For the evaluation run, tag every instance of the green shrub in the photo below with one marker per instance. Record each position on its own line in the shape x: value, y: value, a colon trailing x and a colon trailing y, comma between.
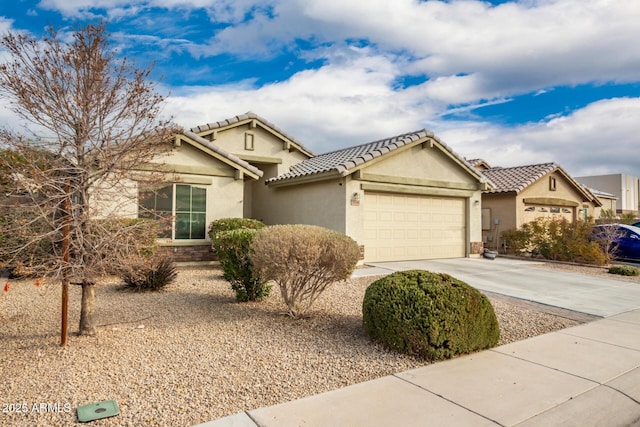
x: 149, y: 274
x: 303, y: 260
x: 557, y: 239
x: 624, y: 270
x: 227, y: 224
x: 232, y: 248
x: 429, y: 315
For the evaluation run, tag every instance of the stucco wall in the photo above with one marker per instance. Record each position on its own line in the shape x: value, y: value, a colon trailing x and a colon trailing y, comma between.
x: 608, y: 205
x: 564, y: 189
x: 421, y: 161
x: 265, y: 144
x: 501, y: 209
x: 225, y: 193
x: 319, y: 203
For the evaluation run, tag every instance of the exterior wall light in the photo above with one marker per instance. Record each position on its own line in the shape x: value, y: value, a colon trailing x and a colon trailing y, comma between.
x: 355, y: 199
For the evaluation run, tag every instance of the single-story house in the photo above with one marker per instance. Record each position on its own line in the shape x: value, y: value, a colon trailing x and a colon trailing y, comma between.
x: 522, y: 194
x: 404, y: 197
x: 608, y: 201
x: 626, y: 189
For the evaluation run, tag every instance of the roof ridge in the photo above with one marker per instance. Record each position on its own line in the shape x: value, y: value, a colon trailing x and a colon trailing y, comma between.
x: 554, y: 164
x: 403, y: 135
x: 346, y: 159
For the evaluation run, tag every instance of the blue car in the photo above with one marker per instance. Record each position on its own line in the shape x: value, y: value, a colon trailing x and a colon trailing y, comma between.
x: 623, y: 241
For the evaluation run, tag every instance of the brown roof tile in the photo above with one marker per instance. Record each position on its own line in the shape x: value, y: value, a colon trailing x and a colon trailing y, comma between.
x: 342, y: 161
x: 517, y: 178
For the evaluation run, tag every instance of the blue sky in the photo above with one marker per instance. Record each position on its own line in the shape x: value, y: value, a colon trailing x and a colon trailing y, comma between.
x: 512, y: 82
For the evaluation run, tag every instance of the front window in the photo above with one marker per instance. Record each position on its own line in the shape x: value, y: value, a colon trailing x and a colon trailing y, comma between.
x: 191, y: 205
x: 180, y: 208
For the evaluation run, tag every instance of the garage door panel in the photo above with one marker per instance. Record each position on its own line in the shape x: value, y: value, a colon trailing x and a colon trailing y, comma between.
x: 405, y: 227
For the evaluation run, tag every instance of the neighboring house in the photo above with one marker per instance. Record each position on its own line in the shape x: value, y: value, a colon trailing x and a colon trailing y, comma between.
x: 608, y: 201
x: 522, y: 194
x: 400, y: 198
x: 626, y: 188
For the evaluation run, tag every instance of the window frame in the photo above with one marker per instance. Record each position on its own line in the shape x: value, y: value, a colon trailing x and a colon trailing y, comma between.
x: 177, y: 211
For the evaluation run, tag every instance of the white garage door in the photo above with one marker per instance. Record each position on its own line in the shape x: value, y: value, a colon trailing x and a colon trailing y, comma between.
x: 408, y: 227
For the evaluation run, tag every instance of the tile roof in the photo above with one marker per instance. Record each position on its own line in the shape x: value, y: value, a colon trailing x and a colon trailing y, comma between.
x: 343, y: 160
x: 479, y: 164
x: 517, y: 178
x: 248, y: 116
x: 213, y: 147
x: 475, y: 162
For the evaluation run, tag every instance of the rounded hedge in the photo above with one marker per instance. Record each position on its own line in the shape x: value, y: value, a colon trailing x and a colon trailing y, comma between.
x: 228, y: 224
x: 430, y: 315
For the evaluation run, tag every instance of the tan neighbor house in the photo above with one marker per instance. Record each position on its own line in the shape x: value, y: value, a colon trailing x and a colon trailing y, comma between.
x: 405, y: 197
x: 522, y: 194
x: 607, y: 200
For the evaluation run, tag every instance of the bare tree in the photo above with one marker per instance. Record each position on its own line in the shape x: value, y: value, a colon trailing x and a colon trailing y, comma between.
x: 92, y: 118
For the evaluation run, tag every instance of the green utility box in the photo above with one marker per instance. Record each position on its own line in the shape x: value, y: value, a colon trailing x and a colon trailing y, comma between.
x: 96, y: 411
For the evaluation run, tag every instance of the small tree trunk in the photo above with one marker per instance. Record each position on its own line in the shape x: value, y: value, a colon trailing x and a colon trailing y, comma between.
x: 87, y: 309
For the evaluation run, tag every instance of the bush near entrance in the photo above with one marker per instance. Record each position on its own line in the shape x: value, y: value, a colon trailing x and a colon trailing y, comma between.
x: 231, y: 239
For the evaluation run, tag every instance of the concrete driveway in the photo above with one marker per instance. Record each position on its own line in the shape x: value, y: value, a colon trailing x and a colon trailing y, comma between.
x: 526, y: 280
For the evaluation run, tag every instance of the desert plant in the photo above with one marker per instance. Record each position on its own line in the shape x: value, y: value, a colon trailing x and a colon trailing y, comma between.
x: 607, y: 216
x: 429, y: 315
x: 624, y: 270
x: 226, y: 224
x: 149, y: 274
x: 232, y: 248
x: 116, y: 241
x: 303, y: 260
x: 627, y: 218
x: 29, y: 260
x: 559, y: 240
x: 88, y: 116
x: 515, y: 241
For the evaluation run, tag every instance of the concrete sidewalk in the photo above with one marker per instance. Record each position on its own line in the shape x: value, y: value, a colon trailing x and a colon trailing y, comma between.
x: 587, y: 375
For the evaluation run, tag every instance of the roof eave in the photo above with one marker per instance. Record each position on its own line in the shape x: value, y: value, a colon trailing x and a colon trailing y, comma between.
x: 202, y: 144
x: 305, y: 179
x: 254, y: 120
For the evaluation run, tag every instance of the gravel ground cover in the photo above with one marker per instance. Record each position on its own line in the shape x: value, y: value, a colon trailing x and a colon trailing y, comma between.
x: 191, y: 354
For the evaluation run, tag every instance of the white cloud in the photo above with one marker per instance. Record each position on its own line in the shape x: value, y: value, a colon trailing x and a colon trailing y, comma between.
x: 344, y: 103
x: 471, y: 49
x: 597, y: 139
x: 471, y: 52
x: 494, y: 51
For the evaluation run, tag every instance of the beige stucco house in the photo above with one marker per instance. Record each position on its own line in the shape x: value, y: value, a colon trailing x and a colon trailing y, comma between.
x: 522, y: 194
x: 401, y: 198
x: 404, y: 197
